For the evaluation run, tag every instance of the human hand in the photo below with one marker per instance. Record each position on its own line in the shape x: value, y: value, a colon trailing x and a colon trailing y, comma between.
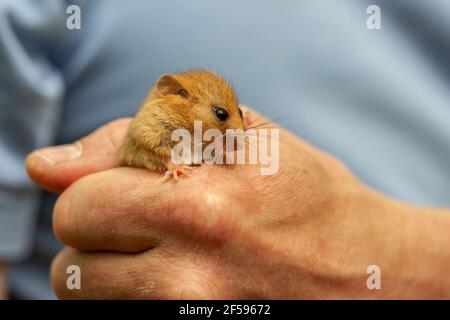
x: 309, y: 231
x: 3, y: 282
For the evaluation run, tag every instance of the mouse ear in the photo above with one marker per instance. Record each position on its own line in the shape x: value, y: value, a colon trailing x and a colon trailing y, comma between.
x: 168, y: 84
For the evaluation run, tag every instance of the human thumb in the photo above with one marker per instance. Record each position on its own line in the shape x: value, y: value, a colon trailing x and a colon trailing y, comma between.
x: 55, y: 168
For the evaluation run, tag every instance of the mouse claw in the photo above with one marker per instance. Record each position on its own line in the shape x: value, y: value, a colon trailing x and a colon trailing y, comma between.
x: 177, y: 172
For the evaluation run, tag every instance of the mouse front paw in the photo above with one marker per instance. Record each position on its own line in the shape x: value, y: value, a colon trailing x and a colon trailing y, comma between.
x: 177, y: 172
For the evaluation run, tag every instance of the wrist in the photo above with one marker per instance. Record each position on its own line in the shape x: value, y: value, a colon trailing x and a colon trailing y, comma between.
x: 409, y: 244
x: 425, y: 253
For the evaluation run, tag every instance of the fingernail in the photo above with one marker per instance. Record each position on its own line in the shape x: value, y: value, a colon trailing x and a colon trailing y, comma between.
x: 59, y: 154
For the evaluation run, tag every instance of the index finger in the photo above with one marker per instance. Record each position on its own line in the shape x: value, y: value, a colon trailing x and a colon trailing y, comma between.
x: 115, y: 210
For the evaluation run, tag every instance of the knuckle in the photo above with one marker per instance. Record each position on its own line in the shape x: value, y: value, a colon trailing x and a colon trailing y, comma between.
x: 116, y: 130
x: 124, y: 121
x: 110, y: 135
x: 208, y: 215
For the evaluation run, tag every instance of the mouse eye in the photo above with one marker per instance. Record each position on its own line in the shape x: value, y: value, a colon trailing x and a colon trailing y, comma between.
x: 221, y: 113
x: 240, y: 113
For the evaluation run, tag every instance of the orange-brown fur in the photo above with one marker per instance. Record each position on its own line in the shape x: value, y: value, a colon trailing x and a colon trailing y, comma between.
x: 176, y: 101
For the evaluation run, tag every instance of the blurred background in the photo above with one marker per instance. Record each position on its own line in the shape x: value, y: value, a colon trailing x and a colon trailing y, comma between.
x: 377, y: 99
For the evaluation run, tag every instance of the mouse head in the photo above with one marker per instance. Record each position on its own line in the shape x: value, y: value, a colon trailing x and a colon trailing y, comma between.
x: 200, y: 95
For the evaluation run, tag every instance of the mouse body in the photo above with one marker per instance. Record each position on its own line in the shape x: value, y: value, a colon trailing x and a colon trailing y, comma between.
x: 175, y: 102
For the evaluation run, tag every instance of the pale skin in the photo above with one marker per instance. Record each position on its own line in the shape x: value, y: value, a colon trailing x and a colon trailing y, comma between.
x: 309, y: 231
